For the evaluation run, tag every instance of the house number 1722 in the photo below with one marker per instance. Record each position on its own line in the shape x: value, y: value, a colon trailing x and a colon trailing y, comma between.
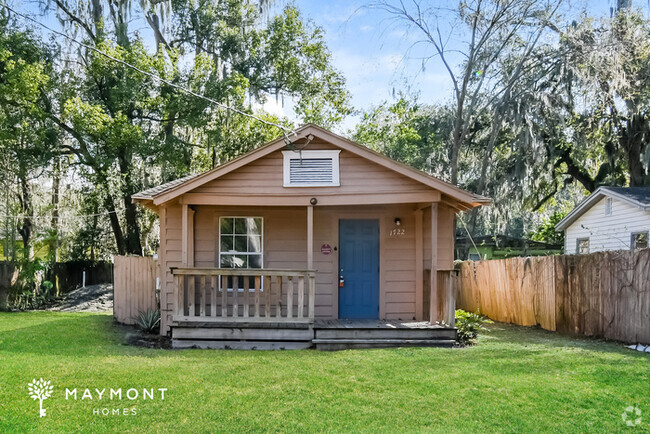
x: 397, y: 232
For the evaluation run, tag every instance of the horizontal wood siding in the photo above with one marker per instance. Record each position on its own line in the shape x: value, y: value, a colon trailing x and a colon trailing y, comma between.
x: 170, y: 256
x: 607, y: 232
x: 357, y: 176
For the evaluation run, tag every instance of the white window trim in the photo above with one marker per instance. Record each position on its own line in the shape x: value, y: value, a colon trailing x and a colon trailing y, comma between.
x: 608, y: 205
x: 247, y: 254
x: 295, y: 155
x: 578, y: 240
x: 633, y: 236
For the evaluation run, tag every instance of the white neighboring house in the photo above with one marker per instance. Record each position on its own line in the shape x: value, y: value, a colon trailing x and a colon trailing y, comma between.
x: 611, y: 218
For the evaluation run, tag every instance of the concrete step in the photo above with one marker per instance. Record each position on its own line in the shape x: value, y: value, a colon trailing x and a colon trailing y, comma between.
x: 344, y: 344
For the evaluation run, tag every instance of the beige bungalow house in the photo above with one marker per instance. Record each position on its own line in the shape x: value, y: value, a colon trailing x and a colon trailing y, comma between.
x: 320, y: 242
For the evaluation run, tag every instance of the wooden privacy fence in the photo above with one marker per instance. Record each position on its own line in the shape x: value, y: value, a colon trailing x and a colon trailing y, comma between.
x: 134, y: 287
x: 604, y: 294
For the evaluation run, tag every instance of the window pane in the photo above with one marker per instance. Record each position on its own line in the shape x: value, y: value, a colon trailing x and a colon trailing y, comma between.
x: 227, y: 226
x: 255, y: 261
x: 226, y: 261
x: 254, y: 244
x: 641, y: 241
x: 240, y: 226
x: 254, y: 226
x: 240, y: 243
x: 227, y: 243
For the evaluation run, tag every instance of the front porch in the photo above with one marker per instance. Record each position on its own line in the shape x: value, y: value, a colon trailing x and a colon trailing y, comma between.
x: 274, y: 309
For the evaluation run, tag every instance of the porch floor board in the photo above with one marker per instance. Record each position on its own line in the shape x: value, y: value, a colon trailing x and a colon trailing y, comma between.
x: 375, y: 324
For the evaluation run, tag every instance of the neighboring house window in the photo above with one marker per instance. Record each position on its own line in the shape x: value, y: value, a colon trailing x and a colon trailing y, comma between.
x: 639, y: 240
x: 608, y: 206
x: 240, y: 242
x: 311, y: 168
x: 582, y: 246
x: 474, y: 257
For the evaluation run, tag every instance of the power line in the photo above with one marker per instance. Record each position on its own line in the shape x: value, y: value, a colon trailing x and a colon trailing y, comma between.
x: 285, y: 131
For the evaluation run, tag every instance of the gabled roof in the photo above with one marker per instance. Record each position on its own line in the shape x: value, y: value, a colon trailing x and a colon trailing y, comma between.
x: 171, y: 190
x: 635, y: 196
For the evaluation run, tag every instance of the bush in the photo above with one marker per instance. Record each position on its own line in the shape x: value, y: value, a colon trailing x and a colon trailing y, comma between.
x: 148, y: 320
x: 468, y: 325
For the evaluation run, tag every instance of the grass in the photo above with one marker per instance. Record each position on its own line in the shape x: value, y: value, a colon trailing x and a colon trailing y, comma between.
x: 516, y: 380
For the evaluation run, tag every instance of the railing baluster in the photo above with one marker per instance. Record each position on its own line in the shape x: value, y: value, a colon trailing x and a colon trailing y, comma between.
x: 180, y: 301
x: 258, y: 286
x: 278, y: 308
x: 235, y: 296
x: 213, y: 298
x: 246, y: 291
x: 224, y: 296
x: 312, y: 296
x: 202, y: 308
x: 191, y: 296
x: 290, y: 297
x: 301, y: 297
x: 267, y: 297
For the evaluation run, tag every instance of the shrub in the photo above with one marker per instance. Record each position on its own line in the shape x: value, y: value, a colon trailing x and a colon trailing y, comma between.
x: 468, y: 325
x: 148, y: 320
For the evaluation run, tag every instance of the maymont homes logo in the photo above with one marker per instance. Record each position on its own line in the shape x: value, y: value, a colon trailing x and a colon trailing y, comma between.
x: 41, y: 390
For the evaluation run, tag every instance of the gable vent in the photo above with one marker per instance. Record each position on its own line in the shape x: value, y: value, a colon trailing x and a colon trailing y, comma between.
x: 311, y: 168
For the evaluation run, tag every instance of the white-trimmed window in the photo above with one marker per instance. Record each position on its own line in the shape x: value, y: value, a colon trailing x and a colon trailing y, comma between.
x: 582, y: 246
x: 639, y: 240
x: 311, y: 168
x: 240, y: 242
x: 240, y: 245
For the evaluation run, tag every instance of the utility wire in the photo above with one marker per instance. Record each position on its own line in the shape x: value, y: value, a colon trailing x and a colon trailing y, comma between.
x: 285, y: 131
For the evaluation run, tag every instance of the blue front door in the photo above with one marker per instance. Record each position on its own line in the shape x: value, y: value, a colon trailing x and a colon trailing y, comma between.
x: 359, y: 268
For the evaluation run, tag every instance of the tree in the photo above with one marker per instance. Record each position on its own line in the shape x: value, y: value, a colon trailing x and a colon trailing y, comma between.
x: 495, y: 29
x: 123, y: 122
x: 27, y: 137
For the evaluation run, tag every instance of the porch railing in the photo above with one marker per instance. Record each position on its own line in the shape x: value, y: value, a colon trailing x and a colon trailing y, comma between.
x: 244, y: 295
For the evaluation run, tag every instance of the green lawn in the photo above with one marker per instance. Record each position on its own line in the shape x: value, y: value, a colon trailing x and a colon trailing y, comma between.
x: 516, y: 379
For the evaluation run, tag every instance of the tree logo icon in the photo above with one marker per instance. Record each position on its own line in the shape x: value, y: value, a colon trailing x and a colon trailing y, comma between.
x: 40, y: 390
x: 632, y: 416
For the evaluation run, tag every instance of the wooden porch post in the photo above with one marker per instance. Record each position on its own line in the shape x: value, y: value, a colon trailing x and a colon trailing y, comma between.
x: 419, y: 266
x: 433, y: 307
x: 187, y: 236
x: 310, y: 237
x: 184, y: 235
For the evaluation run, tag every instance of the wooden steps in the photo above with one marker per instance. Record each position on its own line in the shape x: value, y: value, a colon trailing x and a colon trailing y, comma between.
x: 328, y: 335
x: 347, y: 344
x: 341, y: 335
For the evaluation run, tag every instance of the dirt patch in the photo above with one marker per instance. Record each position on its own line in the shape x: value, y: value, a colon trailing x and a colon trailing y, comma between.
x: 139, y: 339
x: 93, y: 298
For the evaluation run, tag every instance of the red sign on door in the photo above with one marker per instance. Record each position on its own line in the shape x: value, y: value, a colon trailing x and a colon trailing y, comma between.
x: 326, y: 249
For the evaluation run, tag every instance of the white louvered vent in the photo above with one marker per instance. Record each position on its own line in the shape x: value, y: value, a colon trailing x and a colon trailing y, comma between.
x: 311, y: 168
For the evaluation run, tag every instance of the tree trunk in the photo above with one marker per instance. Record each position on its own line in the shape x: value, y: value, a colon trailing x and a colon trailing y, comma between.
x: 133, y: 245
x: 633, y: 142
x: 27, y: 212
x: 54, y: 222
